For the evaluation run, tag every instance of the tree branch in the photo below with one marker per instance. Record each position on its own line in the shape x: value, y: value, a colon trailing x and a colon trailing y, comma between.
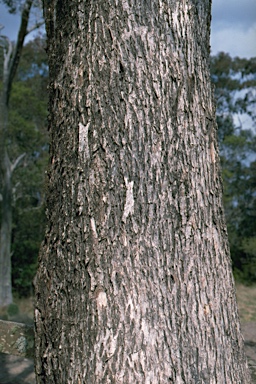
x: 17, y: 161
x: 7, y: 45
x: 35, y: 26
x: 18, y: 47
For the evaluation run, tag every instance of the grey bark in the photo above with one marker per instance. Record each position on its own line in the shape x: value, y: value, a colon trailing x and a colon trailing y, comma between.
x: 10, y: 64
x: 134, y: 282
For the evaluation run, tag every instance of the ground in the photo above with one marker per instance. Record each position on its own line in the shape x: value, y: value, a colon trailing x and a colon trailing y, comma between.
x: 249, y: 332
x: 16, y: 370
x: 246, y: 297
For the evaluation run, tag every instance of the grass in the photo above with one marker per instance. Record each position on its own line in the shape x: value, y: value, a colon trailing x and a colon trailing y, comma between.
x: 24, y: 314
x: 246, y: 298
x: 26, y: 305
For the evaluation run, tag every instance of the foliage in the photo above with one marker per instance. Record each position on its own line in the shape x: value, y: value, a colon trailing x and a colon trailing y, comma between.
x: 27, y: 134
x: 12, y: 309
x: 235, y: 81
x: 15, y: 6
x: 11, y: 4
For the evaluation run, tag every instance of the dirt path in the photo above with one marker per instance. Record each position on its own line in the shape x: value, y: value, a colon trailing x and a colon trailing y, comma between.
x: 16, y: 370
x: 249, y: 332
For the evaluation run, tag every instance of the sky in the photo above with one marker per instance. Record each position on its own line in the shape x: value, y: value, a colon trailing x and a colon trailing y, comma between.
x: 233, y: 27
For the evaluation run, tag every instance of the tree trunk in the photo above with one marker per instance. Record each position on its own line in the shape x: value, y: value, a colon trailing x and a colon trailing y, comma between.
x: 134, y: 282
x: 6, y: 218
x: 6, y: 193
x: 10, y: 64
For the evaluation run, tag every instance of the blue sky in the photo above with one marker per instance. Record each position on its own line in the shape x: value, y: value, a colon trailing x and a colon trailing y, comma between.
x: 233, y: 26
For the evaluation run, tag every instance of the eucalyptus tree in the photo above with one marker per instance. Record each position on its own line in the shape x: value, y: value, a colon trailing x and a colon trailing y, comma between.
x: 27, y: 133
x: 134, y: 282
x: 235, y: 84
x: 10, y: 57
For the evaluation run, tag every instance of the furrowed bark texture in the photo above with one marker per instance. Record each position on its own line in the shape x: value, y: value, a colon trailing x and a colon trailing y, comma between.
x: 134, y: 282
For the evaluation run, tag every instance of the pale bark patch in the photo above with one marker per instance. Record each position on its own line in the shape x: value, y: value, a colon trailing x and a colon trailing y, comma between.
x: 93, y: 226
x: 83, y: 140
x: 101, y: 300
x: 129, y: 202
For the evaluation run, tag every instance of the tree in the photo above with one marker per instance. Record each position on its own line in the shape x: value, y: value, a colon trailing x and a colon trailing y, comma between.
x: 235, y: 81
x: 11, y: 59
x: 134, y: 283
x: 28, y: 134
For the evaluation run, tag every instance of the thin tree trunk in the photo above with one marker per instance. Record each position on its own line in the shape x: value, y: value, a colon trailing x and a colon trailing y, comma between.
x: 6, y: 220
x: 11, y: 61
x: 134, y: 282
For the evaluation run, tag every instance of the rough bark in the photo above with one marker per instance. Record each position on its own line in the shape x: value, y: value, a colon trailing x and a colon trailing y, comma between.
x: 134, y: 282
x: 11, y: 60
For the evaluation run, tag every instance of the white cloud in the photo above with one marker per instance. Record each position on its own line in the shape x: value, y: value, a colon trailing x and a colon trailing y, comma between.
x: 239, y: 14
x: 235, y: 41
x: 234, y: 27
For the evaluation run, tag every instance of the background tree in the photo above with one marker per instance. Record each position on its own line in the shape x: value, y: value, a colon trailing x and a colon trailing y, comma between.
x: 134, y: 282
x: 235, y: 81
x: 27, y: 133
x: 11, y: 57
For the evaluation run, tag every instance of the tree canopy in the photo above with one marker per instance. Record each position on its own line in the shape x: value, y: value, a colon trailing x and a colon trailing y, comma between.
x: 235, y: 81
x: 27, y: 133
